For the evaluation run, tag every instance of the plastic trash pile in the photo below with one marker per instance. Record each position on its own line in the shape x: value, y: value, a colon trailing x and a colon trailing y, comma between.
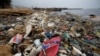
x: 49, y: 34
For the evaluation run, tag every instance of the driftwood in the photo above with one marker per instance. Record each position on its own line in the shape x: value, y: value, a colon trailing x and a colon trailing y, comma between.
x: 16, y: 12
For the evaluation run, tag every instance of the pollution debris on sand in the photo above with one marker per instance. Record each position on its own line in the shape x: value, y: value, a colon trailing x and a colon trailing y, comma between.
x: 46, y: 33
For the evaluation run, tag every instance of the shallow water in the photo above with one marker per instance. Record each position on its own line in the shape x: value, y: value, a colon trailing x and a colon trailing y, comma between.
x: 84, y: 12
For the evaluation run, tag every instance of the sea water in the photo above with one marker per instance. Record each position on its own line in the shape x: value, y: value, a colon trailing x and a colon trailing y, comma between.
x: 84, y: 12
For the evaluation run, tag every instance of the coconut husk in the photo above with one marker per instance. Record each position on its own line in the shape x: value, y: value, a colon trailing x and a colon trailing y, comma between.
x: 20, y: 29
x: 5, y: 50
x: 11, y: 32
x: 97, y: 50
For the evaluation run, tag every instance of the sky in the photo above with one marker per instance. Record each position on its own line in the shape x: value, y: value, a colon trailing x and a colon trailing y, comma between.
x: 85, y: 4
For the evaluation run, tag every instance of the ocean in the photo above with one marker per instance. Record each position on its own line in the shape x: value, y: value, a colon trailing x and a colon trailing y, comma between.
x: 84, y: 12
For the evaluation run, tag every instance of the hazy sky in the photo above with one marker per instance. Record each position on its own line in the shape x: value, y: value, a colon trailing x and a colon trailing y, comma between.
x: 58, y: 3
